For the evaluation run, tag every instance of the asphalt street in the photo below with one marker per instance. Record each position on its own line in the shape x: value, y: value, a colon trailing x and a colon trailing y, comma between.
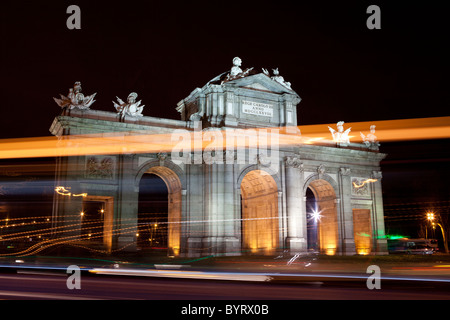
x: 52, y: 285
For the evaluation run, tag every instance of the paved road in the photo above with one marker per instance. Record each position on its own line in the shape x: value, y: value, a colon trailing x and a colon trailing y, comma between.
x: 53, y: 286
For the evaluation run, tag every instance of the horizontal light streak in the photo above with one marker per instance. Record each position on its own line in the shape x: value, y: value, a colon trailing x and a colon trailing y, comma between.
x: 230, y: 276
x: 390, y: 130
x: 74, y: 234
x: 64, y: 192
x: 141, y: 142
x: 363, y: 183
x: 65, y: 240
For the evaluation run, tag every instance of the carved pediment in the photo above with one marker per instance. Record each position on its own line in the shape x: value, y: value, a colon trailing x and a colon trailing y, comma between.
x: 261, y: 82
x: 257, y: 86
x: 242, y: 96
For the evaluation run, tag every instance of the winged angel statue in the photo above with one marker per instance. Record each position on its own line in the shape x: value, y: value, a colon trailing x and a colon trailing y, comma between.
x: 370, y: 140
x: 75, y: 99
x: 340, y: 136
x: 131, y: 107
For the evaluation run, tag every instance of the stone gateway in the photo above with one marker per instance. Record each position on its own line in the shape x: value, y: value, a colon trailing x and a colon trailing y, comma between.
x: 257, y: 200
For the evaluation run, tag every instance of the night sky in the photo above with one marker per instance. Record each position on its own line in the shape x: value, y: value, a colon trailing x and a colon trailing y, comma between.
x: 164, y: 49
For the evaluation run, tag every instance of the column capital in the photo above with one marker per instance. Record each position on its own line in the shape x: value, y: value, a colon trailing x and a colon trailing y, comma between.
x: 344, y: 171
x: 377, y: 175
x: 321, y: 171
x: 293, y: 162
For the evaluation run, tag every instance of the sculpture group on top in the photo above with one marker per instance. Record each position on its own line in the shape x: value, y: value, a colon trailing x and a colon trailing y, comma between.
x: 370, y: 140
x: 236, y: 72
x: 342, y: 137
x: 76, y: 99
x: 130, y: 108
x: 276, y: 77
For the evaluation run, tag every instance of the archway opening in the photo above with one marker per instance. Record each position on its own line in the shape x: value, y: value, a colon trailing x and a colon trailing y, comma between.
x: 322, y: 223
x: 159, y: 212
x: 312, y: 221
x: 259, y: 210
x: 152, y: 213
x: 97, y: 221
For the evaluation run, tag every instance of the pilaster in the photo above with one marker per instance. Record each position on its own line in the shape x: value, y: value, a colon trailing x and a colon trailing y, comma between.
x: 296, y: 216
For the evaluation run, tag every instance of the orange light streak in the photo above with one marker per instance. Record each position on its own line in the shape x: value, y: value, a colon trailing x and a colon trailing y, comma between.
x: 117, y: 143
x: 363, y: 183
x: 64, y: 192
x: 67, y: 239
x: 390, y: 130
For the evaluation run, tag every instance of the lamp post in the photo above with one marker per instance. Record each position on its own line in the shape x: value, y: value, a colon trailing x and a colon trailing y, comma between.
x: 315, y: 216
x: 431, y: 218
x: 155, y: 225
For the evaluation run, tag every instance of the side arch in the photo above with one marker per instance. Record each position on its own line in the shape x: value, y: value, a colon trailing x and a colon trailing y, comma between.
x: 146, y: 166
x: 326, y: 194
x: 172, y: 175
x: 325, y: 177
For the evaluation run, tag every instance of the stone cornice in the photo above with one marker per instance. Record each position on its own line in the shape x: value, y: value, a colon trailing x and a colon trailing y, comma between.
x: 95, y: 121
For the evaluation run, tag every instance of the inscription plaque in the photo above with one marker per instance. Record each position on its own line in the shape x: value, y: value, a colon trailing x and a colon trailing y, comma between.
x: 257, y: 108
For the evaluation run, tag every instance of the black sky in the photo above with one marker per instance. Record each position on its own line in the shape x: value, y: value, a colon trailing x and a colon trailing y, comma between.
x: 165, y: 49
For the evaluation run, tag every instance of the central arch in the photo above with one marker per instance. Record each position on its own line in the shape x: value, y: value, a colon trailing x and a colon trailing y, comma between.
x: 173, y: 184
x: 259, y: 209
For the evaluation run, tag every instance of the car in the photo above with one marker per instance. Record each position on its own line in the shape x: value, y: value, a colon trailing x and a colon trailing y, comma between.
x: 419, y: 249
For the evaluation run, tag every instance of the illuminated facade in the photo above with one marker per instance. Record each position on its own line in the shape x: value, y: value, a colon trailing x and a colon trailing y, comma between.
x: 239, y: 186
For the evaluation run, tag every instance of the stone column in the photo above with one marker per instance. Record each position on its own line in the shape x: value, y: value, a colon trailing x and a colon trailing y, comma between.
x: 379, y: 238
x: 194, y: 229
x: 66, y: 207
x: 127, y: 205
x: 232, y: 244
x: 296, y: 216
x: 213, y: 241
x: 282, y: 222
x: 346, y: 234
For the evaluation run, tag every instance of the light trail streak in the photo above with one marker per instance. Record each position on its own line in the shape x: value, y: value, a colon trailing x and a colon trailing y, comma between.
x: 230, y: 276
x: 142, y: 142
x: 51, y: 231
x: 255, y: 276
x: 78, y: 232
x: 65, y: 192
x: 363, y: 183
x: 42, y: 245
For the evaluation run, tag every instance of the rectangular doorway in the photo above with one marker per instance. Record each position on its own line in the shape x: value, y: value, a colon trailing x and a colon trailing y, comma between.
x: 97, y: 220
x: 362, y: 231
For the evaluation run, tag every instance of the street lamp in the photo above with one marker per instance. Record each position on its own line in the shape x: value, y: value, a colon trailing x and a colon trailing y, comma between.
x: 316, y: 215
x: 430, y: 217
x: 314, y: 218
